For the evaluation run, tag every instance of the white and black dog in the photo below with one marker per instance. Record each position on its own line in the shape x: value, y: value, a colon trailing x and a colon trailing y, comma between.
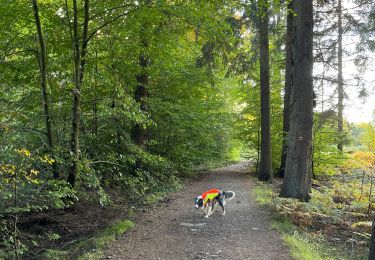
x: 208, y: 200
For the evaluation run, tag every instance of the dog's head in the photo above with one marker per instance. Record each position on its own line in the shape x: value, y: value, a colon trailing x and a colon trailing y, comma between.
x: 198, y: 202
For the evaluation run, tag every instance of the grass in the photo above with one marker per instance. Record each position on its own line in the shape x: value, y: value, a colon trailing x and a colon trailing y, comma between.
x: 155, y: 197
x: 93, y: 246
x: 300, y: 246
x: 303, y: 245
x: 263, y: 194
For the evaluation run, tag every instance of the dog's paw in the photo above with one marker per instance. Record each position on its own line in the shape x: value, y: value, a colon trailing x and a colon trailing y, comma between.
x: 223, y: 213
x: 206, y: 216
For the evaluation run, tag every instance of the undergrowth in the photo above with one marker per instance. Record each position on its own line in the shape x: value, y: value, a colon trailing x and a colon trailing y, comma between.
x: 313, y: 230
x: 93, y: 246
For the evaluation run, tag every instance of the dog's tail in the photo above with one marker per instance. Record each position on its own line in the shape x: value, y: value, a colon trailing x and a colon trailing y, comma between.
x: 228, y: 195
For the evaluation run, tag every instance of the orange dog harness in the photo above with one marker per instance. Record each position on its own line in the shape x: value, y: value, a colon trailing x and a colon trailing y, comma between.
x: 210, y: 195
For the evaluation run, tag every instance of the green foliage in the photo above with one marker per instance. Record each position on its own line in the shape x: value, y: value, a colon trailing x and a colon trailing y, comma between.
x: 27, y: 186
x: 189, y: 116
x: 247, y: 96
x: 326, y: 156
x: 201, y: 108
x: 365, y: 135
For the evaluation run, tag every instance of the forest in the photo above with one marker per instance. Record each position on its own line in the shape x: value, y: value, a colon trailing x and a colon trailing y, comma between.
x: 109, y: 106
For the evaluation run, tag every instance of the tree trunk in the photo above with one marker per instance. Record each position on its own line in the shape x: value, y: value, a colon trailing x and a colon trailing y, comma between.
x: 79, y: 63
x: 42, y: 59
x: 287, y: 87
x: 340, y: 84
x: 139, y: 132
x: 372, y: 242
x: 265, y: 169
x: 297, y: 179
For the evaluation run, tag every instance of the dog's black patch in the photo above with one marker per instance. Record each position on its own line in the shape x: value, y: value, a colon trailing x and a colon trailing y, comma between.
x: 199, y: 202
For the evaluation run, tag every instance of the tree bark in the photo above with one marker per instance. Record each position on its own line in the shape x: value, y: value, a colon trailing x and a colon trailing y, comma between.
x: 372, y: 242
x: 287, y: 87
x: 42, y: 59
x: 297, y: 179
x: 265, y: 167
x: 139, y: 131
x: 340, y: 84
x: 79, y: 63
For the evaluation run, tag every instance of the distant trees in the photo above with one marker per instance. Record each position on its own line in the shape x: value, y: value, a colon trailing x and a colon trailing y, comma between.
x: 297, y: 179
x: 94, y: 96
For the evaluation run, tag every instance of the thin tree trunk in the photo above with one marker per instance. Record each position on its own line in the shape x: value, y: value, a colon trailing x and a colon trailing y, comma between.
x: 372, y: 242
x: 95, y: 106
x: 340, y: 84
x: 287, y: 87
x: 15, y: 217
x: 42, y: 59
x: 79, y: 63
x: 84, y: 40
x: 258, y: 149
x: 265, y: 169
x: 297, y: 179
x: 369, y: 209
x: 139, y: 132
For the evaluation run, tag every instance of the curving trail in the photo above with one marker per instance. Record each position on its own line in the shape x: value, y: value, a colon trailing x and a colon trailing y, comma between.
x: 174, y: 230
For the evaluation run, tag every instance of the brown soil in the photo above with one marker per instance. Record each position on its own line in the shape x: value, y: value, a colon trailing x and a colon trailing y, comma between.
x: 174, y: 230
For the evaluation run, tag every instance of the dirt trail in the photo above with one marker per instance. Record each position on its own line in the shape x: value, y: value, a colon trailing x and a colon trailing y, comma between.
x: 174, y: 230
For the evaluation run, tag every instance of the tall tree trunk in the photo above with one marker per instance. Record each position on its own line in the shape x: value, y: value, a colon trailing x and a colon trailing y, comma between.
x: 340, y: 84
x: 265, y: 169
x: 139, y: 132
x: 42, y: 59
x: 297, y: 179
x: 287, y: 87
x: 79, y: 63
x: 372, y: 242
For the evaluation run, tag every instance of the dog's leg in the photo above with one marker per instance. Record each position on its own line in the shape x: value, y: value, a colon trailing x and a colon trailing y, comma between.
x: 204, y: 210
x: 213, y: 206
x: 221, y: 203
x: 207, y: 209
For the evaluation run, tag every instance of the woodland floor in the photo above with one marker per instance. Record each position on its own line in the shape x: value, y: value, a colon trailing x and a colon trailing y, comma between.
x: 174, y: 230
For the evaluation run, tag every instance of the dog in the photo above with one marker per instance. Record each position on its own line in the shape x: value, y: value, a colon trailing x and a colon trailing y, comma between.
x: 208, y: 200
